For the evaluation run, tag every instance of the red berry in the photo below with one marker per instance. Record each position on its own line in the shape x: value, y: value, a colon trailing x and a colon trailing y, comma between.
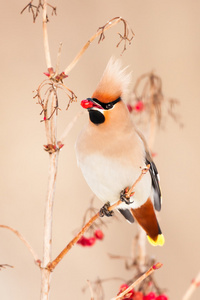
x: 150, y: 296
x: 139, y: 106
x: 130, y: 107
x: 82, y: 241
x: 123, y: 287
x: 99, y: 234
x: 138, y: 296
x: 162, y: 297
x: 91, y: 241
x: 87, y: 104
x: 128, y: 295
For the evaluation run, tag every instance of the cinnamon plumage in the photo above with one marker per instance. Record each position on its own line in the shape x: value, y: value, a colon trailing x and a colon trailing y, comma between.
x: 111, y: 153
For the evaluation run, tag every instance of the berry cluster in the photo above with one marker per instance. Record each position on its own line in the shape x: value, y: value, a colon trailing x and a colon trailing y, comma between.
x: 84, y: 241
x: 138, y: 107
x: 138, y: 295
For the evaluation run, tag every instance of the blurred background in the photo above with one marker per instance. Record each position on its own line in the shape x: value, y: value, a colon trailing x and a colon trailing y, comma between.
x: 167, y: 42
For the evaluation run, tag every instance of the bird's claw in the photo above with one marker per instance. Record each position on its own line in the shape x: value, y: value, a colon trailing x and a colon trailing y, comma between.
x: 105, y: 212
x: 123, y: 196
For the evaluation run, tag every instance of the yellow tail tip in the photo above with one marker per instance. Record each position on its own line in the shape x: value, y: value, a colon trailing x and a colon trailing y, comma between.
x: 158, y: 242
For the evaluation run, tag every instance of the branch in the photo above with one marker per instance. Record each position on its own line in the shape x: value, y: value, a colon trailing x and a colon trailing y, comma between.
x: 3, y: 266
x: 91, y: 290
x: 138, y: 281
x: 45, y: 37
x: 141, y: 248
x: 26, y: 243
x: 47, y: 242
x: 51, y: 266
x: 100, y: 33
x: 194, y: 284
x: 143, y: 172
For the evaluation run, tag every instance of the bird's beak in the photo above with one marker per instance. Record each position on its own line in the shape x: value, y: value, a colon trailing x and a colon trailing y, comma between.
x: 89, y: 104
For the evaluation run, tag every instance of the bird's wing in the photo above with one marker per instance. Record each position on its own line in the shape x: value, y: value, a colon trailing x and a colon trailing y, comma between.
x: 154, y: 175
x: 155, y: 184
x: 127, y: 214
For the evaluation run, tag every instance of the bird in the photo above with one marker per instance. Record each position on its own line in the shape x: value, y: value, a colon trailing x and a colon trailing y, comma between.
x: 111, y: 152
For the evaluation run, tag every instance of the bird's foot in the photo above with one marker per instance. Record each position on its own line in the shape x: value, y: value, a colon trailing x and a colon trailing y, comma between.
x: 104, y: 210
x: 124, y: 197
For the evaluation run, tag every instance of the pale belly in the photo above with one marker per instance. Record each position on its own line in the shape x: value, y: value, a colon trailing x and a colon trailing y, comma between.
x: 107, y: 178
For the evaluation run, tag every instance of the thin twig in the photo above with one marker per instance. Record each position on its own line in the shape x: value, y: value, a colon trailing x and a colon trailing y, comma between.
x: 53, y: 166
x: 194, y: 284
x: 58, y: 59
x: 47, y: 247
x: 3, y: 266
x: 51, y: 266
x: 78, y: 56
x: 138, y: 281
x: 26, y: 243
x: 153, y: 119
x: 53, y: 119
x: 45, y: 37
x: 141, y: 248
x: 100, y: 33
x: 91, y: 290
x: 143, y: 172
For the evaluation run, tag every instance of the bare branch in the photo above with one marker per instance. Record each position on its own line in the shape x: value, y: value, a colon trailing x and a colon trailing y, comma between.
x: 4, y: 266
x: 47, y: 242
x: 91, y: 290
x: 35, y: 9
x: 143, y: 172
x: 51, y: 266
x: 194, y: 284
x: 139, y: 280
x: 100, y: 33
x: 53, y: 84
x: 45, y: 36
x: 26, y: 243
x: 58, y: 59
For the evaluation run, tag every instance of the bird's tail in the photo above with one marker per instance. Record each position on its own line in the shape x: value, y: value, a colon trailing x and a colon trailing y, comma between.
x: 146, y: 217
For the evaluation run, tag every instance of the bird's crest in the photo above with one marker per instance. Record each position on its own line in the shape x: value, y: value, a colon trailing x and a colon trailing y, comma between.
x: 114, y: 82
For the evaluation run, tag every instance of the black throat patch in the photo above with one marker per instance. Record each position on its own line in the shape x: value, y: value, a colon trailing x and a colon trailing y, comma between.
x: 96, y: 116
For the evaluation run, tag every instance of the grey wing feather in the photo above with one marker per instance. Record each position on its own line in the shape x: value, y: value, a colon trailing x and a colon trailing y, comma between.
x: 155, y: 184
x: 154, y: 174
x: 127, y: 214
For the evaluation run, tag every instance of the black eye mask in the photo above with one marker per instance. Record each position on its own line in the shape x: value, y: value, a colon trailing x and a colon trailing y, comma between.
x: 105, y: 106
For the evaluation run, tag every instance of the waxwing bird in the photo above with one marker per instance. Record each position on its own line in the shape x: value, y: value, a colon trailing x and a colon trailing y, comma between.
x: 111, y: 153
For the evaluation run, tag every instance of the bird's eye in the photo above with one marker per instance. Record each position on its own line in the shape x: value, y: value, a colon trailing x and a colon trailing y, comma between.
x: 109, y: 106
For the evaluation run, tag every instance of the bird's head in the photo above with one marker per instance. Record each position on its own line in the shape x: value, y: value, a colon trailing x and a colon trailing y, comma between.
x: 109, y: 92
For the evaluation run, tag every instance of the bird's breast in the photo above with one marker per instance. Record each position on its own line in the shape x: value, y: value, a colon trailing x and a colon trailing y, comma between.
x: 112, y: 160
x: 107, y: 177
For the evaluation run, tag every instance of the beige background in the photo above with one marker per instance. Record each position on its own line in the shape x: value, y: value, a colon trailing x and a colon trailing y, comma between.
x: 167, y: 41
